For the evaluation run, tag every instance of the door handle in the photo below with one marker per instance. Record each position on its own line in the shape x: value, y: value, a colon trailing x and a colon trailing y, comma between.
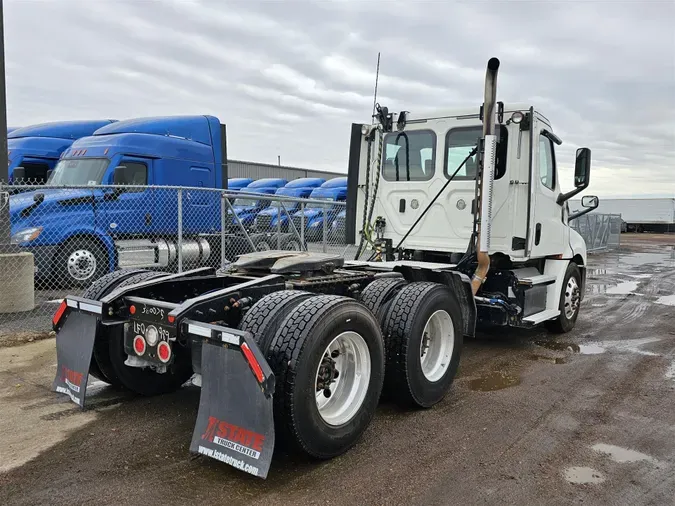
x: 537, y: 234
x: 148, y: 218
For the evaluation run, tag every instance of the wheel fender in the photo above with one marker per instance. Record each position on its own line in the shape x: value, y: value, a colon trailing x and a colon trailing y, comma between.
x: 97, y: 234
x: 555, y: 268
x: 576, y: 247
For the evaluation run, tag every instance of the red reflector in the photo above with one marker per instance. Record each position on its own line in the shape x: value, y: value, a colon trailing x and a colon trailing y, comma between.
x: 250, y: 358
x: 164, y: 351
x: 139, y: 345
x: 132, y: 309
x: 171, y: 318
x: 59, y: 312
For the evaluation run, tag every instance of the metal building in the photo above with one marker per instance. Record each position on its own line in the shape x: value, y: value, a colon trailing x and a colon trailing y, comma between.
x: 638, y: 214
x: 254, y: 170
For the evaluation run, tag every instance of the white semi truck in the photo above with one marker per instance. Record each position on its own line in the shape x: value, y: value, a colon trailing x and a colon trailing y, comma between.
x: 460, y: 223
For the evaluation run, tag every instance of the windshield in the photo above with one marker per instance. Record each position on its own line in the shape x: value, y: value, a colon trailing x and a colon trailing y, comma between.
x: 244, y: 202
x: 81, y: 172
x: 276, y: 204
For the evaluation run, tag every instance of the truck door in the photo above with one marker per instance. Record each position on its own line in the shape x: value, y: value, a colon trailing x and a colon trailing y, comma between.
x: 548, y: 232
x: 130, y: 213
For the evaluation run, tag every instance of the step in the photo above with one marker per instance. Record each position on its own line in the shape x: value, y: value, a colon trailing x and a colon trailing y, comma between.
x: 547, y: 314
x: 541, y: 279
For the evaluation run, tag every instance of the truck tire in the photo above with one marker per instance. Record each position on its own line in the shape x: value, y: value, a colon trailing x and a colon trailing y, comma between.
x: 290, y: 242
x: 377, y: 296
x: 263, y: 318
x: 316, y: 411
x: 96, y: 291
x: 423, y: 340
x: 110, y: 355
x: 80, y: 261
x: 570, y: 302
x: 262, y: 242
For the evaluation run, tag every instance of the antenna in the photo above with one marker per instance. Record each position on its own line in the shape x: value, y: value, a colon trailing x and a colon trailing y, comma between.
x: 377, y: 77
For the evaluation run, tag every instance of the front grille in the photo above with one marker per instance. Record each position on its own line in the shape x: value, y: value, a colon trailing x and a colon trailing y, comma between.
x: 264, y: 222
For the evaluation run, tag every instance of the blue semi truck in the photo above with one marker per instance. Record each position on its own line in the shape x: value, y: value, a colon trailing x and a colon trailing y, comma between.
x: 333, y: 190
x: 33, y: 151
x: 252, y: 201
x: 271, y: 220
x: 79, y: 234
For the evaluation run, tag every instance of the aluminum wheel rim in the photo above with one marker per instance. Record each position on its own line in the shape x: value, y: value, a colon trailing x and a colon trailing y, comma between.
x: 81, y: 264
x: 351, y: 358
x: 437, y: 345
x: 292, y: 246
x: 572, y: 297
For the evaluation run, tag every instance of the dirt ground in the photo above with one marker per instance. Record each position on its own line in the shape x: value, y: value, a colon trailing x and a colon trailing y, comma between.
x: 532, y: 419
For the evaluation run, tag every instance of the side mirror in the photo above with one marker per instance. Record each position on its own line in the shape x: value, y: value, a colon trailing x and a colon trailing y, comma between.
x: 590, y: 202
x: 19, y: 175
x: 582, y: 168
x: 582, y: 174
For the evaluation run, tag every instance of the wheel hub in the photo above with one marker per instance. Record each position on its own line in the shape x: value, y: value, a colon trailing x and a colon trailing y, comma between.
x: 81, y: 264
x: 572, y: 298
x: 437, y: 345
x: 342, y: 378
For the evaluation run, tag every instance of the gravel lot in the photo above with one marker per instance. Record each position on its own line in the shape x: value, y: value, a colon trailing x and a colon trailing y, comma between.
x: 532, y: 419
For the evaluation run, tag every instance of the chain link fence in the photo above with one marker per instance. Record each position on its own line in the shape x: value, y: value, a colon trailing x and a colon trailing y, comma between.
x: 79, y: 233
x: 600, y: 231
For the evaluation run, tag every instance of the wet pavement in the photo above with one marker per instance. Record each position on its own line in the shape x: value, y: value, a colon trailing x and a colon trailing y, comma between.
x: 588, y: 417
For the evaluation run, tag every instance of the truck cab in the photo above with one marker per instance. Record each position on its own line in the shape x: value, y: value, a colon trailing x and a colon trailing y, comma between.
x: 34, y: 150
x: 238, y: 183
x: 251, y: 202
x: 333, y: 190
x: 80, y: 233
x: 269, y: 219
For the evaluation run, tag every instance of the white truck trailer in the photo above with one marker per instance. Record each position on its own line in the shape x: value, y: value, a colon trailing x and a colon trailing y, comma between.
x: 639, y: 214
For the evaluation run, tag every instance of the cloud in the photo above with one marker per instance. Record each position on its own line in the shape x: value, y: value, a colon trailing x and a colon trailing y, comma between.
x: 290, y: 77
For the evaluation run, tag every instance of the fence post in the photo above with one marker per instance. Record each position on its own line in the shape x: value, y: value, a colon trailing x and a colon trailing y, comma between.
x: 302, y: 222
x: 180, y: 230
x: 279, y: 225
x: 325, y: 226
x: 223, y: 220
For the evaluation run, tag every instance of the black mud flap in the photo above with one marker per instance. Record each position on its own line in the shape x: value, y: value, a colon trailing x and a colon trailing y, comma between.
x: 76, y: 322
x: 235, y: 424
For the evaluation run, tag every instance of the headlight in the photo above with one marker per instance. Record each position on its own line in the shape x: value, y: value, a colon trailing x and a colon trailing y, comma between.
x: 26, y: 235
x: 151, y: 335
x: 315, y: 224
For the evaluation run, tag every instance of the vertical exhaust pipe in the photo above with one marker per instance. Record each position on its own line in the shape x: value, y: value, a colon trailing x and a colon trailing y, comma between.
x: 485, y: 184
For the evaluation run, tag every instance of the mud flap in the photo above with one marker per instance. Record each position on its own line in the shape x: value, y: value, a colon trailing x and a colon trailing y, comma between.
x: 75, y: 335
x: 235, y: 424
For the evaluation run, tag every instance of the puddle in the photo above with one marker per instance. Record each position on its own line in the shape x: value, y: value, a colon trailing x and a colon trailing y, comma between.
x: 670, y: 372
x: 496, y: 380
x: 595, y: 348
x: 552, y: 360
x: 583, y: 475
x: 583, y: 349
x: 641, y: 276
x: 623, y: 288
x: 599, y: 272
x: 666, y: 300
x: 623, y: 455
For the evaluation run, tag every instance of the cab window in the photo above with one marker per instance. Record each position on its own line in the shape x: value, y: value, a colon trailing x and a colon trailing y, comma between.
x: 409, y: 156
x: 546, y: 162
x: 458, y: 144
x: 135, y: 174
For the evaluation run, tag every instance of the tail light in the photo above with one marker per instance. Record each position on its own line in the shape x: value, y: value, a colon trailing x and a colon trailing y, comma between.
x: 164, y: 352
x: 139, y: 345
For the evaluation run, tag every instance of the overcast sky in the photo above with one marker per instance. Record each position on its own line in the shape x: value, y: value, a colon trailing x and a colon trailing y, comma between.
x: 289, y: 77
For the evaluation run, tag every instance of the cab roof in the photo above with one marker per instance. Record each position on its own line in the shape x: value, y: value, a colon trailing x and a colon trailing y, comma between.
x: 193, y: 128
x: 268, y: 182
x: 336, y: 182
x: 306, y: 182
x: 60, y: 129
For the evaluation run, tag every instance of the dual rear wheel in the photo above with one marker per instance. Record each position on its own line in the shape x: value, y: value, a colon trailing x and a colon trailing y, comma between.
x: 334, y: 356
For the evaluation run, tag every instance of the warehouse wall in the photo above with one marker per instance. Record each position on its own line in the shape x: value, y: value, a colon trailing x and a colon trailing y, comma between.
x: 239, y: 168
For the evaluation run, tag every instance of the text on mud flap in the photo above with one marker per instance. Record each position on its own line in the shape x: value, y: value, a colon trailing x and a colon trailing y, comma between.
x: 235, y: 438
